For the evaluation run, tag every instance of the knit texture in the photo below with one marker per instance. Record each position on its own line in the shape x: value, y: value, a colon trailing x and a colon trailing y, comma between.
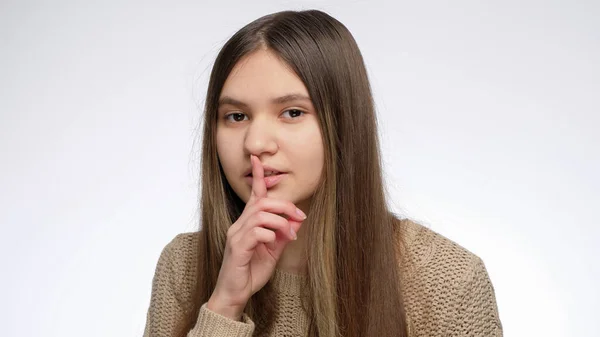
x: 447, y: 292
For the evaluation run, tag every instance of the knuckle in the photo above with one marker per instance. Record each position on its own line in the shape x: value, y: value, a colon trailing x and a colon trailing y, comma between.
x: 230, y: 232
x: 255, y: 231
x: 261, y: 217
x: 235, y: 250
x: 234, y: 242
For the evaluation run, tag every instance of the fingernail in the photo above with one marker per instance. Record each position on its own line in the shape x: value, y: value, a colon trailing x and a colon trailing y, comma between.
x: 293, y: 234
x: 300, y: 213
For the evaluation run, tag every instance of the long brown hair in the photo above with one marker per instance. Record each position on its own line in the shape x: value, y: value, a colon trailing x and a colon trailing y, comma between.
x: 354, y: 283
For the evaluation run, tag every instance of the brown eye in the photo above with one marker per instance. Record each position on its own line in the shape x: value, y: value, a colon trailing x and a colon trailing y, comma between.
x: 294, y: 113
x: 237, y: 117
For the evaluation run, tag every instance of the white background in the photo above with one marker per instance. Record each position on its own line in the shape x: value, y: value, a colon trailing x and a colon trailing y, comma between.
x: 489, y: 116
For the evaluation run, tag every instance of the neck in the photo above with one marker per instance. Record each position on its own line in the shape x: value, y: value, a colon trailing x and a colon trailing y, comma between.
x: 293, y: 259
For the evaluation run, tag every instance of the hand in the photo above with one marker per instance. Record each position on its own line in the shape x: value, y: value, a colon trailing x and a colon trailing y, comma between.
x: 254, y: 244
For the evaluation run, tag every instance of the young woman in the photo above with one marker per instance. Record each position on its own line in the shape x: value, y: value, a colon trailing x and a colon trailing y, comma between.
x: 296, y: 238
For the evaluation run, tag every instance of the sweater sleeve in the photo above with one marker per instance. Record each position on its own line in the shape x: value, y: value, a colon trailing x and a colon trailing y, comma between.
x: 477, y: 314
x: 167, y: 306
x: 212, y: 324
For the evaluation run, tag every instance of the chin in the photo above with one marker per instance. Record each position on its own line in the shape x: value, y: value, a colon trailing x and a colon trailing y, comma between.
x: 282, y: 194
x: 277, y: 193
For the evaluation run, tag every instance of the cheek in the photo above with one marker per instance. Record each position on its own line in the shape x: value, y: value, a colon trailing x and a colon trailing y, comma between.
x: 311, y: 154
x: 316, y: 145
x: 220, y: 148
x: 225, y: 151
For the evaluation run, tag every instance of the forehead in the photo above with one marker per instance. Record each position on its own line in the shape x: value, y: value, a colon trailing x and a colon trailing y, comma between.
x: 260, y: 76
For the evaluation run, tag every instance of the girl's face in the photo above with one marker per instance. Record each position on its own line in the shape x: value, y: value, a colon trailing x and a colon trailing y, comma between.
x: 264, y: 110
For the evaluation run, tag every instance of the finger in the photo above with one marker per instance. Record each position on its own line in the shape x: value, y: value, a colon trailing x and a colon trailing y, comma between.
x: 278, y: 206
x: 295, y: 225
x: 270, y: 221
x: 253, y: 196
x: 278, y: 246
x: 256, y: 236
x: 258, y: 178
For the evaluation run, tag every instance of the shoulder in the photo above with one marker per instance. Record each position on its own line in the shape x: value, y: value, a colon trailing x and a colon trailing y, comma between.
x: 178, y: 261
x: 430, y: 252
x: 180, y: 251
x: 182, y: 244
x: 432, y: 262
x: 445, y: 282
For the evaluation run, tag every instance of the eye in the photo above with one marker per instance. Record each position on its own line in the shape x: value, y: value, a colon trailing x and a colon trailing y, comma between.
x: 294, y: 113
x: 237, y: 117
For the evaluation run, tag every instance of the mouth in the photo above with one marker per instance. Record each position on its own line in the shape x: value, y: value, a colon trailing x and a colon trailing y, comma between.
x: 268, y: 173
x: 271, y: 179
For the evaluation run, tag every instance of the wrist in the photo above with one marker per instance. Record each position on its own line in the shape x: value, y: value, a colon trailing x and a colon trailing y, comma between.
x: 223, y: 309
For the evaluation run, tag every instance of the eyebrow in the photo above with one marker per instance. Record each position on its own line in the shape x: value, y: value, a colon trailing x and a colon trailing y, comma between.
x: 278, y: 100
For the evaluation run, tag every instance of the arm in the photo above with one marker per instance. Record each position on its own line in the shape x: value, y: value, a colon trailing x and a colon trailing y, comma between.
x: 477, y: 314
x: 166, y: 307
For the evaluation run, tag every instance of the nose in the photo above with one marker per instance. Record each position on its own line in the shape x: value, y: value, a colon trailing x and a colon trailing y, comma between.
x: 260, y: 137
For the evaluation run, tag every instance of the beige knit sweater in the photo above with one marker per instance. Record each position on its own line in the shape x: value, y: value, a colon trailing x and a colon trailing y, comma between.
x: 447, y: 293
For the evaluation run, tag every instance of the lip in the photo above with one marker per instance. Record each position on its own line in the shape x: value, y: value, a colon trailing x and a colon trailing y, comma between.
x: 269, y: 181
x: 265, y: 168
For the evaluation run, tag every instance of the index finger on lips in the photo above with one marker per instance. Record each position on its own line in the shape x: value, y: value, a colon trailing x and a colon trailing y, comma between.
x: 259, y: 188
x: 279, y: 207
